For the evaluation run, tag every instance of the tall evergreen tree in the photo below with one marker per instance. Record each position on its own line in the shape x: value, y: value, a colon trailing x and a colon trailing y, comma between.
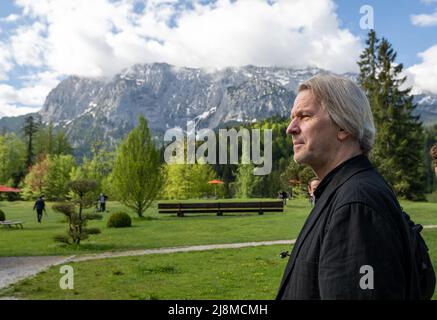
x: 137, y: 175
x: 30, y: 129
x: 398, y: 149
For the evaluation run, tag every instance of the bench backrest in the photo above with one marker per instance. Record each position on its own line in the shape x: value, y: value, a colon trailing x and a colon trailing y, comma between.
x: 222, y: 205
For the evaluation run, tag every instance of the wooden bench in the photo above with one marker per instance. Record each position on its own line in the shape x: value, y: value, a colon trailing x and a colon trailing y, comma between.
x: 220, y: 207
x: 10, y: 223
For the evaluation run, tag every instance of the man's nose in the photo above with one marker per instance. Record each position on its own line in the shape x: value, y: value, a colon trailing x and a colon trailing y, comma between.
x: 293, y: 127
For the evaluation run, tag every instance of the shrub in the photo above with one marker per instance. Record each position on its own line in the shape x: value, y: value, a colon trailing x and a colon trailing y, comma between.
x: 2, y: 215
x: 119, y: 220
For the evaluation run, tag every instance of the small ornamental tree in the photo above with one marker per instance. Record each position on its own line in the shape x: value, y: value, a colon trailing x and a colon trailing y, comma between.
x: 83, y: 197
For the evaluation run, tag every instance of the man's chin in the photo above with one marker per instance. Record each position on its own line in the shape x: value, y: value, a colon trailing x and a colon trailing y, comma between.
x: 301, y: 158
x: 297, y: 159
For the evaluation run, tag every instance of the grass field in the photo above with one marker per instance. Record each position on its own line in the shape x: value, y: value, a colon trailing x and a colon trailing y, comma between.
x: 153, y: 231
x: 247, y: 273
x: 157, y: 230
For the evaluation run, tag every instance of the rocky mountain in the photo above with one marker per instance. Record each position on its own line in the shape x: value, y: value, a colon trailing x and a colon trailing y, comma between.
x: 168, y: 96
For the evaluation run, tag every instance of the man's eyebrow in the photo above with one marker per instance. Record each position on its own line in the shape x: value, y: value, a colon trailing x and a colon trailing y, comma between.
x: 299, y: 112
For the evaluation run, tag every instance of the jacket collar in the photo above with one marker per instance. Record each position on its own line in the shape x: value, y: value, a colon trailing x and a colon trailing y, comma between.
x: 341, y: 173
x: 324, y: 193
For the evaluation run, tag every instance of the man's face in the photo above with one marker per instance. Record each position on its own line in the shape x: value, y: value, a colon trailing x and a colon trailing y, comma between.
x: 314, y: 133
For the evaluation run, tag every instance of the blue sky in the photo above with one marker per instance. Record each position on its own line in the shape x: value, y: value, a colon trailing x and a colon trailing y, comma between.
x: 392, y: 21
x: 44, y: 41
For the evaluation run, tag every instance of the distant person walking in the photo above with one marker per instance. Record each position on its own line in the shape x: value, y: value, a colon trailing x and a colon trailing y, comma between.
x: 102, y: 202
x: 40, y: 206
x: 283, y: 195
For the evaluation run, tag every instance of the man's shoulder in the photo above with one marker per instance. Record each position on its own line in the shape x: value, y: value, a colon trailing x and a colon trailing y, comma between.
x: 367, y: 187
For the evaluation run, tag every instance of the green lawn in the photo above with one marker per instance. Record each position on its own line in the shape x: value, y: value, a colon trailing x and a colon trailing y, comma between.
x: 247, y: 273
x: 157, y: 230
x: 250, y: 273
x: 154, y: 231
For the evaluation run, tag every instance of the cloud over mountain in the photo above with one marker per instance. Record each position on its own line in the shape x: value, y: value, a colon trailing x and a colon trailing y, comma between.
x: 101, y: 37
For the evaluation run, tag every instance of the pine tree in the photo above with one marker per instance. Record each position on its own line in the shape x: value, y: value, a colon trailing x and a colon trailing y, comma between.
x: 30, y: 129
x: 137, y: 175
x: 398, y: 149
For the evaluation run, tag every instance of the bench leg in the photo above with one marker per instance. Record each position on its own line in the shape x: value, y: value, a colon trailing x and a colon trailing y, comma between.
x: 261, y: 213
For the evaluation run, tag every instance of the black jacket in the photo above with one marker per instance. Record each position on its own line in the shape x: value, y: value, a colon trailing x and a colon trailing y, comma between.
x: 39, y: 205
x: 356, y: 222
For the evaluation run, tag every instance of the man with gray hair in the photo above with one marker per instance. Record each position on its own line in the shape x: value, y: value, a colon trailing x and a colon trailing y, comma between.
x: 355, y: 243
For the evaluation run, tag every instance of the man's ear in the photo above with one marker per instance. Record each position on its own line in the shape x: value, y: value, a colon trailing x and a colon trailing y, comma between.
x: 342, y: 134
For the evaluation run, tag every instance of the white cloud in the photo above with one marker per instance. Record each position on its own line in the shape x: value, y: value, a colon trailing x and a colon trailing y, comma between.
x: 424, y: 20
x: 5, y: 64
x: 27, y: 45
x: 31, y: 95
x: 8, y: 102
x: 423, y: 76
x: 13, y: 110
x: 100, y: 37
x: 10, y: 18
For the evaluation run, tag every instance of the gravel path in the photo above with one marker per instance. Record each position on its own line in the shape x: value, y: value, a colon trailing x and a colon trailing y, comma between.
x: 13, y: 269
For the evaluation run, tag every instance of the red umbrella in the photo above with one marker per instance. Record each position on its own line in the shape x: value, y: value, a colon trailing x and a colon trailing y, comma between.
x: 215, y: 181
x: 9, y: 189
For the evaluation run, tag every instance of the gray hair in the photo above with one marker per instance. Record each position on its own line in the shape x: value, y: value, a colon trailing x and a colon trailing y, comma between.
x: 346, y: 104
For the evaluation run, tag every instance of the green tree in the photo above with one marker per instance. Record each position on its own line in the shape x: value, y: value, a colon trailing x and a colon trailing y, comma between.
x: 98, y: 168
x: 297, y: 176
x: 31, y: 127
x: 12, y: 159
x: 50, y: 176
x: 430, y: 140
x: 189, y: 181
x: 44, y: 140
x: 137, y: 174
x: 399, y: 144
x: 83, y: 191
x: 245, y: 182
x: 62, y: 144
x: 35, y: 181
x: 58, y: 176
